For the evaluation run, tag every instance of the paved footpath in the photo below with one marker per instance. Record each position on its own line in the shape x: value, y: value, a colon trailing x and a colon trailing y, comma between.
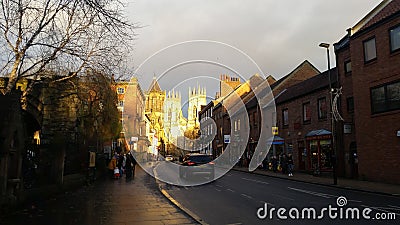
x: 114, y: 202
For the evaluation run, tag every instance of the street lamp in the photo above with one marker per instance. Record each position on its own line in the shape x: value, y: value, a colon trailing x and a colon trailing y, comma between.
x: 326, y: 45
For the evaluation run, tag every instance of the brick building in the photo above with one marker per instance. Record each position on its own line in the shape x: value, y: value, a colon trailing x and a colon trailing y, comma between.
x: 368, y: 60
x: 304, y: 123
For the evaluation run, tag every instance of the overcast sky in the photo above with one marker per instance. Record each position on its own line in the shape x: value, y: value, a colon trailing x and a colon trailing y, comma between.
x: 277, y: 34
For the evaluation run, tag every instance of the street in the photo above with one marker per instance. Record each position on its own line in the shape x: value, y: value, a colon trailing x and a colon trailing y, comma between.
x: 236, y: 198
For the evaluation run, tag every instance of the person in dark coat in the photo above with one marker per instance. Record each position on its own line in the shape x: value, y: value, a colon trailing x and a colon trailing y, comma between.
x: 274, y: 162
x: 128, y: 167
x: 290, y: 164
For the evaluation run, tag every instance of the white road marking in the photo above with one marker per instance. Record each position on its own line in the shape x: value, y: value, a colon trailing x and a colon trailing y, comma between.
x: 263, y: 202
x: 323, y: 195
x: 217, y: 189
x: 246, y: 196
x: 257, y: 181
x: 393, y: 206
x: 312, y: 193
x: 230, y: 190
x: 218, y: 186
x: 380, y: 209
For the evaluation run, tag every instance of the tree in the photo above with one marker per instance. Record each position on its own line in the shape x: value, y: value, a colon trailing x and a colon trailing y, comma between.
x: 62, y: 36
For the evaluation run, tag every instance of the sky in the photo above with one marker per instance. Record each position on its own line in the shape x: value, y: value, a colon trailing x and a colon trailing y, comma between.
x: 275, y: 35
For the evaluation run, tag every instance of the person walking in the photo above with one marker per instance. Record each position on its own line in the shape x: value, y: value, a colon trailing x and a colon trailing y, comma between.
x: 128, y: 167
x: 290, y: 165
x: 112, y: 165
x: 274, y: 162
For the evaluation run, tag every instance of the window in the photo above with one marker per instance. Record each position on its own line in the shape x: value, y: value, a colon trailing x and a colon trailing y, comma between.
x: 322, y: 109
x: 350, y: 104
x: 369, y: 50
x: 306, y: 112
x: 347, y: 67
x: 285, y: 116
x: 394, y: 38
x: 385, y: 98
x: 121, y: 90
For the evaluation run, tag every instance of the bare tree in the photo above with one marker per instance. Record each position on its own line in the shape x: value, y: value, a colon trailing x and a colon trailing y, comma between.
x: 62, y: 36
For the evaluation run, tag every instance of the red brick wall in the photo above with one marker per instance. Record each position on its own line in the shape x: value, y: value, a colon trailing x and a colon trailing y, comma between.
x: 293, y: 134
x: 345, y: 140
x: 378, y: 146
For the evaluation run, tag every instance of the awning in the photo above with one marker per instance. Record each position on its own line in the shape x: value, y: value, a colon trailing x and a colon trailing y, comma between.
x: 276, y: 140
x: 318, y: 135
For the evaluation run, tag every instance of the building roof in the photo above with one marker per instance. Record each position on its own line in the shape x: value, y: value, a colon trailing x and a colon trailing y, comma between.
x: 313, y: 84
x: 381, y: 12
x: 154, y: 86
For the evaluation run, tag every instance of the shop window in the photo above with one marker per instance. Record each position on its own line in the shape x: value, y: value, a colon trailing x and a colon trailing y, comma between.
x: 385, y: 98
x: 369, y: 50
x: 395, y: 38
x: 306, y: 112
x: 322, y: 109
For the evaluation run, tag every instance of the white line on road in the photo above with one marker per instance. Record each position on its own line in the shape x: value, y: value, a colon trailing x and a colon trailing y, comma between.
x: 323, y: 195
x: 263, y: 202
x: 247, y: 196
x: 379, y: 209
x: 393, y: 206
x: 217, y: 189
x: 312, y: 193
x: 257, y: 181
x: 230, y: 190
x: 218, y: 186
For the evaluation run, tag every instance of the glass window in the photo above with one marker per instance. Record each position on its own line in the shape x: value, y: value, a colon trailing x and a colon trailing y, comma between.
x: 322, y: 109
x: 306, y: 112
x: 121, y: 90
x: 395, y: 38
x: 347, y: 67
x: 285, y: 116
x: 369, y: 50
x: 350, y: 104
x: 385, y: 98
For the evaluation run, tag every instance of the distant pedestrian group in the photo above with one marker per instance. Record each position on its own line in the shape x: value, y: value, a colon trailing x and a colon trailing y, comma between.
x: 121, y: 164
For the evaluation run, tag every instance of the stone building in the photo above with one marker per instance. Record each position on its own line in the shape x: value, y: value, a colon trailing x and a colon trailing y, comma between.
x: 132, y: 107
x: 154, y: 110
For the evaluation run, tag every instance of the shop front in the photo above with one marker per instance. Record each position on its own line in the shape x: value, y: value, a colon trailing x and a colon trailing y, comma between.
x: 319, y: 148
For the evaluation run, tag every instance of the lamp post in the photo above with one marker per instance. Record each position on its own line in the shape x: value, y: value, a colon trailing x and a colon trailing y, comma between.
x: 326, y: 45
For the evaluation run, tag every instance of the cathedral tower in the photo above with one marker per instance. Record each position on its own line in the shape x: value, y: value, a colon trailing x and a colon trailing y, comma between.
x: 197, y: 98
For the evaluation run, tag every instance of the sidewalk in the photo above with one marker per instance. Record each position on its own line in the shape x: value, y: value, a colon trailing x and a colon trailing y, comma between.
x: 367, y: 186
x: 109, y: 202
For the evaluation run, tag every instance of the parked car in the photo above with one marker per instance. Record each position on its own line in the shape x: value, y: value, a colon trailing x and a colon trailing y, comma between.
x: 197, y: 167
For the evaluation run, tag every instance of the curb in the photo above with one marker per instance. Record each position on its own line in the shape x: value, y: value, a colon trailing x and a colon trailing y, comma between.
x: 321, y: 184
x: 185, y: 210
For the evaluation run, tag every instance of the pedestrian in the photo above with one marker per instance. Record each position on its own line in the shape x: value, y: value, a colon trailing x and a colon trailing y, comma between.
x: 284, y: 163
x: 112, y: 165
x: 274, y: 162
x: 290, y: 165
x: 133, y: 166
x: 128, y: 167
x: 119, y: 164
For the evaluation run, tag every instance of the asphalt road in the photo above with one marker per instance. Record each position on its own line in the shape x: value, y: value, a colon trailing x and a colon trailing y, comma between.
x: 237, y: 197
